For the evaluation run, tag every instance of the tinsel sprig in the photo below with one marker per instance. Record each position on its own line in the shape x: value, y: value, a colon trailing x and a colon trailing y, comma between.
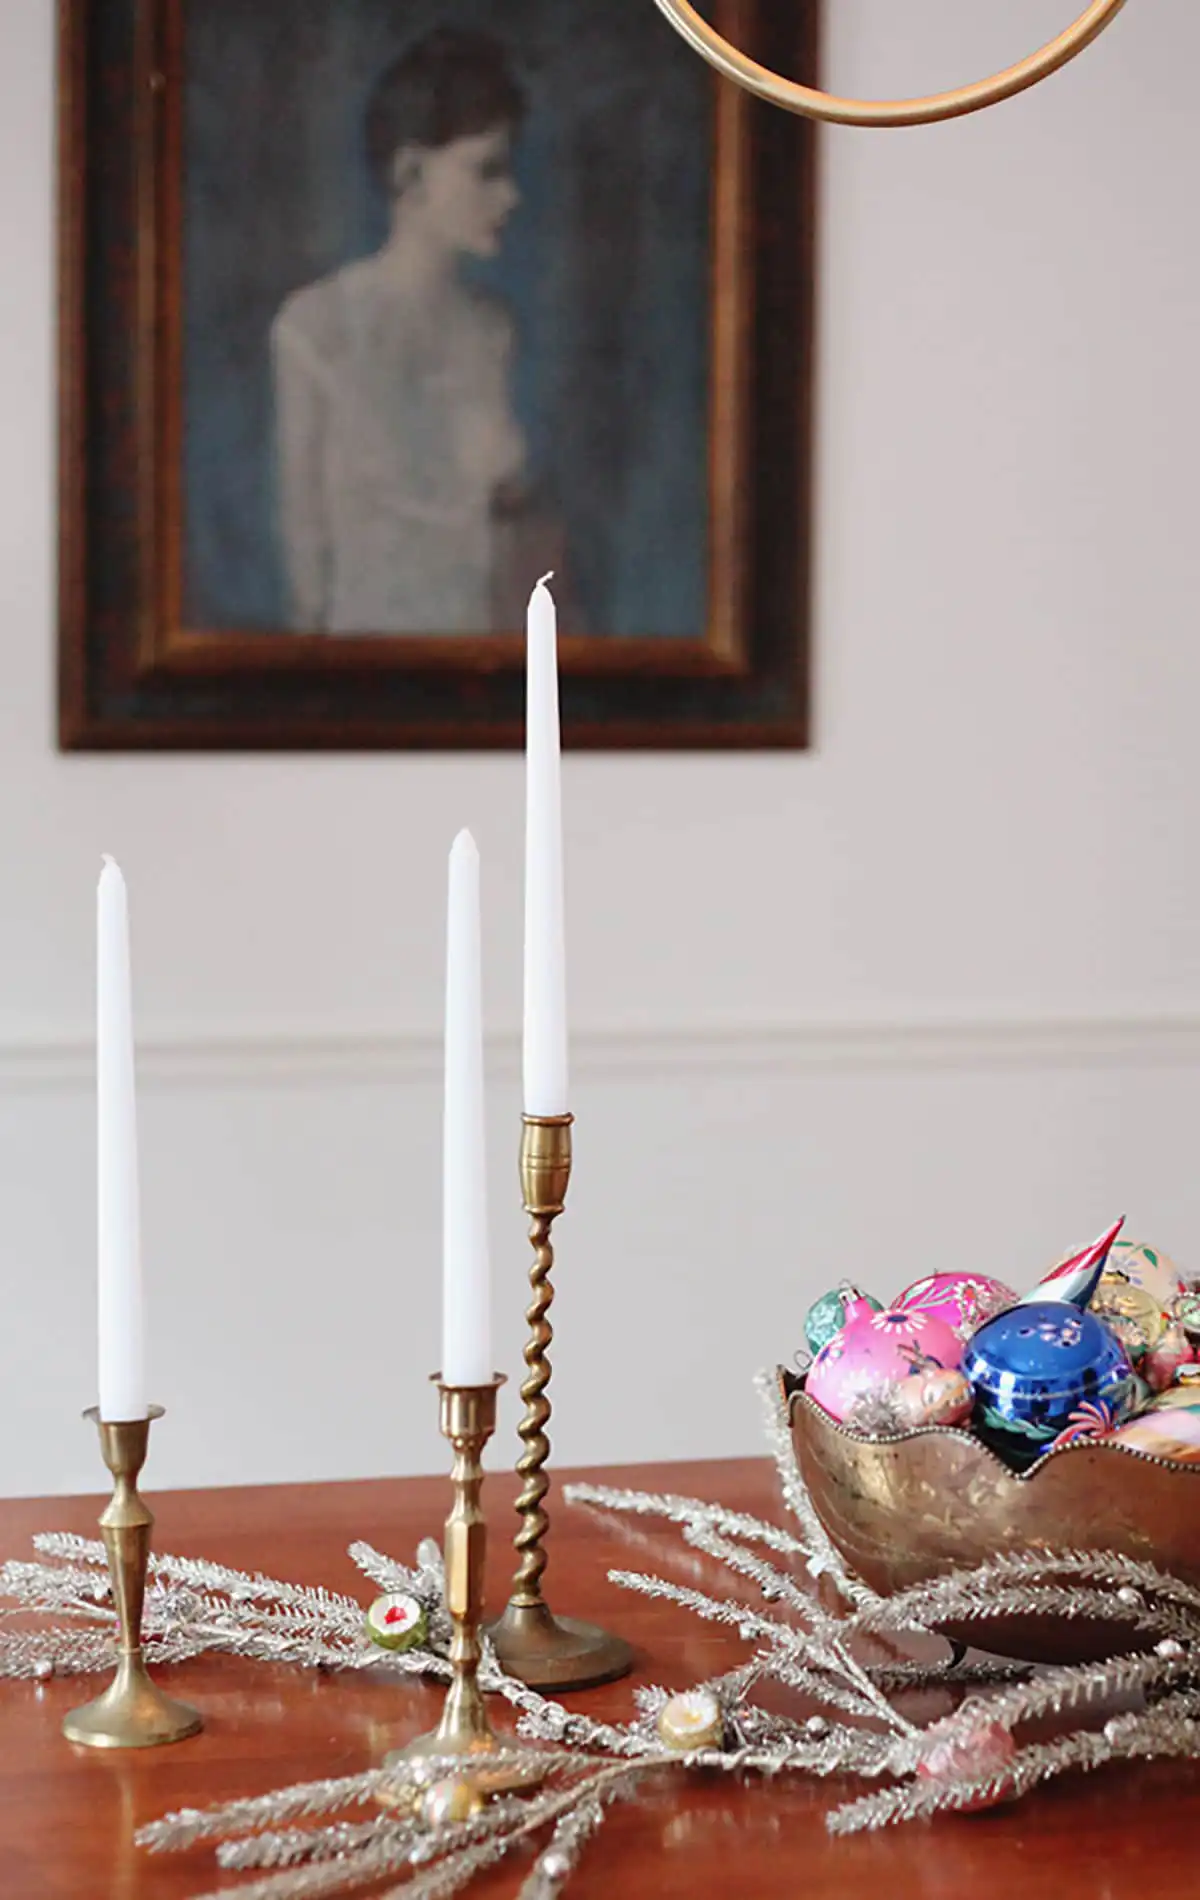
x: 324, y: 1838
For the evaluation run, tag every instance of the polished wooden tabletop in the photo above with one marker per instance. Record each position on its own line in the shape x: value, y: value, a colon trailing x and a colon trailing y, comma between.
x: 67, y: 1814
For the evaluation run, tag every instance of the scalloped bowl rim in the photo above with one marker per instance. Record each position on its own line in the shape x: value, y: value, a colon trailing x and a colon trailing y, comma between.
x: 796, y: 1393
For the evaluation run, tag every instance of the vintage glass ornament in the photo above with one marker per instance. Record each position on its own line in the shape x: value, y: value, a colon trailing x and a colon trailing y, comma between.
x: 396, y: 1621
x: 1164, y: 1362
x: 935, y: 1397
x: 878, y: 1349
x: 1168, y: 1428
x: 1147, y: 1267
x: 451, y: 1801
x: 958, y: 1749
x: 691, y: 1720
x: 1185, y: 1311
x: 1134, y: 1314
x: 962, y: 1300
x: 827, y: 1316
x: 1075, y: 1278
x: 1041, y: 1370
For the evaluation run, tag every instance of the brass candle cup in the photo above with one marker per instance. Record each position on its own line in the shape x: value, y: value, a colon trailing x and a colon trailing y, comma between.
x: 132, y: 1712
x: 539, y: 1648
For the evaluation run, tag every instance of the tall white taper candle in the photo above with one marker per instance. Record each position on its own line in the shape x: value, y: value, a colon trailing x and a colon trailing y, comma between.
x: 121, y: 1321
x: 545, y: 1040
x: 466, y: 1288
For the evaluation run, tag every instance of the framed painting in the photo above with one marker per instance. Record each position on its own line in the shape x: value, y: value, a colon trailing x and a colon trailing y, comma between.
x: 372, y: 312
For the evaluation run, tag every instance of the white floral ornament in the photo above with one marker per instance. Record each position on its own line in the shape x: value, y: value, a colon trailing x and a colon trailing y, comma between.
x: 693, y: 1720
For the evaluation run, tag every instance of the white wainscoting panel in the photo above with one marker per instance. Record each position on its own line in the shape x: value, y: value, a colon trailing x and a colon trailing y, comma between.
x: 292, y: 1225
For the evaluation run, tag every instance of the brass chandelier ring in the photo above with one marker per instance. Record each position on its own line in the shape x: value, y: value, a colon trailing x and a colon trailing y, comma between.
x: 827, y: 106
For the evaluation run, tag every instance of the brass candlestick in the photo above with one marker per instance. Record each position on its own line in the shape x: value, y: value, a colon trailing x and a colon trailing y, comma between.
x: 546, y: 1651
x: 468, y: 1419
x: 132, y: 1712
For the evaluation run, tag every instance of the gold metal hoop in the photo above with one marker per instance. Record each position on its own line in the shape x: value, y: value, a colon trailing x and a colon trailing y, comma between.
x: 827, y: 106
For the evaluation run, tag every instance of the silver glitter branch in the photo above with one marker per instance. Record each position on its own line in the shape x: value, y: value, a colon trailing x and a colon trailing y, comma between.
x: 557, y: 1862
x: 194, y: 1606
x: 189, y: 1825
x: 326, y: 1837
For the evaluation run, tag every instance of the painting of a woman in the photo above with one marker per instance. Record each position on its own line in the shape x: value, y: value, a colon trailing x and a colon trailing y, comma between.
x: 399, y: 459
x: 376, y: 310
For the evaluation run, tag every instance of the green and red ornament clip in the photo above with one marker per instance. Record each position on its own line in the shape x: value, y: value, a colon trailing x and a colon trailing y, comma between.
x: 396, y: 1621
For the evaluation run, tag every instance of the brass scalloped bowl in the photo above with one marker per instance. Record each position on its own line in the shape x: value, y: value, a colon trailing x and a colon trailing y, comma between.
x: 902, y: 1510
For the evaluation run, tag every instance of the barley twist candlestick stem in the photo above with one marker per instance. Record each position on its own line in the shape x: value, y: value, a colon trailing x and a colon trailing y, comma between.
x: 546, y: 1651
x: 132, y: 1712
x: 531, y: 1465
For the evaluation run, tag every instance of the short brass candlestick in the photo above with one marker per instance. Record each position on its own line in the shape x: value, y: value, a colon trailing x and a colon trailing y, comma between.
x: 132, y: 1712
x: 546, y: 1651
x: 468, y: 1419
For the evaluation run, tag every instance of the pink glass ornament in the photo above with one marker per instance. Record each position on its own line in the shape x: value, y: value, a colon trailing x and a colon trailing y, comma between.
x: 874, y: 1350
x: 934, y: 1397
x: 961, y: 1750
x: 962, y: 1301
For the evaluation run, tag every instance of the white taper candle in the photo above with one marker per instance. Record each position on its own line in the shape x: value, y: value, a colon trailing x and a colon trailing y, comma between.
x: 466, y: 1288
x: 122, y: 1376
x: 545, y: 1037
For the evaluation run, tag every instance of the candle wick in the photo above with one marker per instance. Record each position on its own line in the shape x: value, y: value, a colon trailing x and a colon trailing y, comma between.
x: 546, y: 577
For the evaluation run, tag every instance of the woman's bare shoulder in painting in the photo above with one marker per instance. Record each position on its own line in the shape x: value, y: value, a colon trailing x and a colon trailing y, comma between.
x: 312, y: 320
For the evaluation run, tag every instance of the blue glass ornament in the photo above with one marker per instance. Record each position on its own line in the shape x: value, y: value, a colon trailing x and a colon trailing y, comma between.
x: 1044, y: 1371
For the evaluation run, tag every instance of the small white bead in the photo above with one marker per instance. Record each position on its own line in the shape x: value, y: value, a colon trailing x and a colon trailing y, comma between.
x: 1168, y: 1649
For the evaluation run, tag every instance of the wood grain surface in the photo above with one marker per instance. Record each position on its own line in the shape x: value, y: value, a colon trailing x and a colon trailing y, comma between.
x: 67, y: 1815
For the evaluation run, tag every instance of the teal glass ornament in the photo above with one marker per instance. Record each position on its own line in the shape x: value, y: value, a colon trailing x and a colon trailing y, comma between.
x: 826, y: 1316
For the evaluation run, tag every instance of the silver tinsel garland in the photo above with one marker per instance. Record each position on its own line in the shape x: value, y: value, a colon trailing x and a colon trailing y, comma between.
x: 834, y: 1648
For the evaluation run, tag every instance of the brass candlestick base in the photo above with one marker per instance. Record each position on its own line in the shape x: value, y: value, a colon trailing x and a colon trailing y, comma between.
x: 132, y: 1712
x: 537, y: 1647
x: 557, y: 1652
x: 468, y: 1419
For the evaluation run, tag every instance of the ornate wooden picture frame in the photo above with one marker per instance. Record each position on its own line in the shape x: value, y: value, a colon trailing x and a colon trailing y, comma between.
x: 372, y: 312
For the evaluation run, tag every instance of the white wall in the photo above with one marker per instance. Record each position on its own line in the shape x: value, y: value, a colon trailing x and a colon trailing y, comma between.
x: 929, y: 993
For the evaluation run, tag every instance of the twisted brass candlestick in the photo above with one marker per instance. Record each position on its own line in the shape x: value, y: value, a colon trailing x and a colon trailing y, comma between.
x: 543, y: 1650
x: 468, y: 1419
x: 132, y: 1712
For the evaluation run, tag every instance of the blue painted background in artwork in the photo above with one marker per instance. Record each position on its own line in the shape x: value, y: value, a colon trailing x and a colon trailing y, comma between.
x: 605, y: 267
